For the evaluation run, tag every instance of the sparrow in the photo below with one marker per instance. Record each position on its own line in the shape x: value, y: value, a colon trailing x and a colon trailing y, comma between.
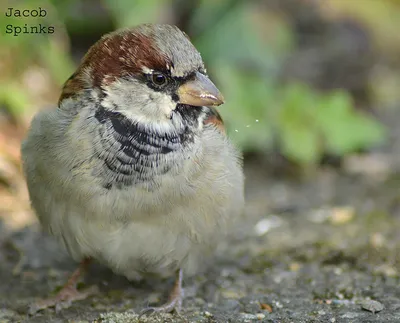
x: 133, y: 167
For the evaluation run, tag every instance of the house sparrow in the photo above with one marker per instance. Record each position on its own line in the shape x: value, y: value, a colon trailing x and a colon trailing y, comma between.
x: 133, y: 168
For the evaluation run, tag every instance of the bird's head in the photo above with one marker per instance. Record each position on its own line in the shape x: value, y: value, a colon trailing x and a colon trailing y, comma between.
x: 150, y: 74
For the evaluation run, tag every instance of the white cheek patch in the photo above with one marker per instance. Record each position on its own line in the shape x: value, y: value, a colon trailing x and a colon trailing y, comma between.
x: 142, y: 104
x: 162, y: 103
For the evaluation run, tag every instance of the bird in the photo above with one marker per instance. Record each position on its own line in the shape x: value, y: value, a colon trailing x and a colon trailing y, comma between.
x: 133, y: 168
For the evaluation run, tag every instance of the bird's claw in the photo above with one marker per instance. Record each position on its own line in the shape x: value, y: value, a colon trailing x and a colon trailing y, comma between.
x: 62, y: 300
x: 172, y: 305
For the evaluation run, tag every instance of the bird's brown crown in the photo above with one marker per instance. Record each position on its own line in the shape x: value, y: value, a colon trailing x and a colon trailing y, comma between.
x: 130, y: 52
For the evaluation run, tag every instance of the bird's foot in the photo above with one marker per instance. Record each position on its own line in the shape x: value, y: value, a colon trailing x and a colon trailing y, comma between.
x: 63, y: 299
x: 174, y: 301
x: 171, y: 305
x: 68, y: 294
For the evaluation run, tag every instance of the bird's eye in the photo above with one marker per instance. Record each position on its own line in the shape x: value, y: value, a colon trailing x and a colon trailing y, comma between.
x: 159, y: 79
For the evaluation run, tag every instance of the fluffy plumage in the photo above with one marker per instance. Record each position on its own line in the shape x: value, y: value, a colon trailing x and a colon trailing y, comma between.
x: 123, y: 170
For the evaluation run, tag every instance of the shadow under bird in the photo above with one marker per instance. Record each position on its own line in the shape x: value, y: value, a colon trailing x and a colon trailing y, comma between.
x: 133, y: 167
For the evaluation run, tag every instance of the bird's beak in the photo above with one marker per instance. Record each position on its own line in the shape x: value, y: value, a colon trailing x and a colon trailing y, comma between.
x: 200, y: 91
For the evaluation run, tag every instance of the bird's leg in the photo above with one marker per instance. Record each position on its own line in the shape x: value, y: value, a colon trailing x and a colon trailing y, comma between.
x: 68, y: 292
x: 174, y: 300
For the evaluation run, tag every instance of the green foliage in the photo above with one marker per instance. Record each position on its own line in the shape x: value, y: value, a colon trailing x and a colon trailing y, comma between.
x: 305, y: 123
x: 295, y: 122
x: 130, y: 13
x: 245, y: 48
x: 259, y: 111
x: 14, y: 98
x: 310, y: 124
x: 248, y: 108
x: 20, y: 52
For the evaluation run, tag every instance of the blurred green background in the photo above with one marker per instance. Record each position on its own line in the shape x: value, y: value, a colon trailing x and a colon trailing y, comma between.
x: 303, y: 80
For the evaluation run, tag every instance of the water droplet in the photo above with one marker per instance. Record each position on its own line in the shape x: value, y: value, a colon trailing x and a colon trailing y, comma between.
x: 248, y: 126
x: 236, y: 130
x: 256, y: 120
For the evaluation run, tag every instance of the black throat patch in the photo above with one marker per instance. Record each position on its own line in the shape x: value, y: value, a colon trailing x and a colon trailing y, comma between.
x: 135, y: 140
x: 132, y: 153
